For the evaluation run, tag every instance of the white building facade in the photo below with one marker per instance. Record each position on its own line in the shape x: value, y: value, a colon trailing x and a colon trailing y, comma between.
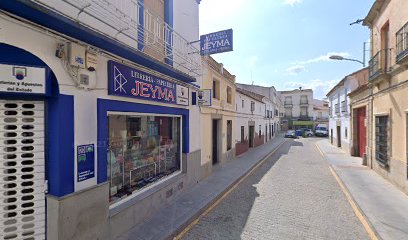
x: 273, y: 101
x: 339, y: 113
x: 97, y: 99
x: 298, y: 108
x: 254, y: 120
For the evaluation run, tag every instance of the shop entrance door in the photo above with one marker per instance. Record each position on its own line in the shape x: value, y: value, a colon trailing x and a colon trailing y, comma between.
x: 361, y: 131
x: 22, y: 185
x: 215, y: 141
x: 251, y: 136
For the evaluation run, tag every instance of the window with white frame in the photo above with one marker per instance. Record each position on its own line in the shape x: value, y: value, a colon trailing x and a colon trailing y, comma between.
x: 142, y: 150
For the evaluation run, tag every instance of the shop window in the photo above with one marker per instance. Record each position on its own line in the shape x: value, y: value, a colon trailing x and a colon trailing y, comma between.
x: 229, y: 95
x: 229, y: 134
x: 381, y: 139
x: 216, y: 89
x: 242, y: 134
x: 142, y: 150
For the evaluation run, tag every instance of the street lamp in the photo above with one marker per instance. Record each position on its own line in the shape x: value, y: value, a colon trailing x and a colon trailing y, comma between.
x: 338, y: 57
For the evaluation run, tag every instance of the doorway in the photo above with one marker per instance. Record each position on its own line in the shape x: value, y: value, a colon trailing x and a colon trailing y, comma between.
x: 338, y: 136
x: 22, y: 169
x: 215, y: 128
x: 361, y: 131
x: 331, y: 135
x: 251, y: 136
x: 266, y: 133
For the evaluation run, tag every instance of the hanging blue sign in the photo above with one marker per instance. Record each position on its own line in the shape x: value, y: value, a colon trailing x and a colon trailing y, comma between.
x: 85, y: 162
x: 126, y: 81
x: 217, y: 42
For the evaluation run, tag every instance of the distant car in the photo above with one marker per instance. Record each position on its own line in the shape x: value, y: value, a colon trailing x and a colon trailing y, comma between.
x: 309, y: 133
x: 321, y: 131
x: 291, y: 134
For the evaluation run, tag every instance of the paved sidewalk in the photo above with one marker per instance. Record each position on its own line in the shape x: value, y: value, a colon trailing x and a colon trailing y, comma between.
x: 182, y: 210
x: 383, y: 204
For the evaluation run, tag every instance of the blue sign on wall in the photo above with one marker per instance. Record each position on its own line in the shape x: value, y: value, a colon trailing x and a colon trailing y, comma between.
x: 217, y: 42
x: 126, y: 81
x: 86, y: 162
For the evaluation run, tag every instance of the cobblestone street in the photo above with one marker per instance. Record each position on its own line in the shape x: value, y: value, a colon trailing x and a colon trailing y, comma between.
x: 293, y: 195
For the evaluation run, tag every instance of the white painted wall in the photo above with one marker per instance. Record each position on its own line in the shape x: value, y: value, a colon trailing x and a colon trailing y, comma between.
x: 244, y: 115
x: 296, y: 96
x: 336, y: 97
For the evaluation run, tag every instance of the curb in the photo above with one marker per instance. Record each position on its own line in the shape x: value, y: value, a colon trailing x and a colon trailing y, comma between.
x: 362, y: 217
x: 184, y: 228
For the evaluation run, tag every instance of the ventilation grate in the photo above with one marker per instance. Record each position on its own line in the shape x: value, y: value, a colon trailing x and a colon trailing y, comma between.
x: 22, y: 200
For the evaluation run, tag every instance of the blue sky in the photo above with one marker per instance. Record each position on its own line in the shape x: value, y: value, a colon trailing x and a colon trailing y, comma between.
x: 286, y: 43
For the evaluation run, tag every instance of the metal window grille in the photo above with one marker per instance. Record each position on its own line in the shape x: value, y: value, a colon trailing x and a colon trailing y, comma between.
x: 381, y: 139
x: 402, y: 41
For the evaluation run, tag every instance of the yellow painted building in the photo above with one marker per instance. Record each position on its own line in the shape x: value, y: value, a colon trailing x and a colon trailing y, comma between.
x: 388, y: 79
x: 217, y: 120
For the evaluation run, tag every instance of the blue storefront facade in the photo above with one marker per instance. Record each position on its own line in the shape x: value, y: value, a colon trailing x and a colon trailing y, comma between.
x: 109, y: 140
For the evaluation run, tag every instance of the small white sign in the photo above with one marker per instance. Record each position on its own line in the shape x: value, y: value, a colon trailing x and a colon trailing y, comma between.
x: 204, y: 97
x: 21, y: 79
x: 182, y: 95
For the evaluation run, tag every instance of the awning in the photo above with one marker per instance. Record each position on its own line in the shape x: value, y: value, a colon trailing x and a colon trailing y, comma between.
x: 302, y: 123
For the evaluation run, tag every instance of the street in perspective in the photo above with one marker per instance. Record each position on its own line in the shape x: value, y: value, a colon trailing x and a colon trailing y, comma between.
x: 203, y: 119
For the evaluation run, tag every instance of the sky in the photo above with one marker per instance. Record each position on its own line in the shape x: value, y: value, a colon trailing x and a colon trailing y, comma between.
x: 287, y: 43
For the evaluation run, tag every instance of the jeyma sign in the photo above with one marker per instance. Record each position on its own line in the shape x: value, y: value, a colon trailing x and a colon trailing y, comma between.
x: 126, y: 81
x: 217, y: 42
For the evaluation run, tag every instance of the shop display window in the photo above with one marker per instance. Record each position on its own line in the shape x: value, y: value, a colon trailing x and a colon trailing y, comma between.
x: 142, y: 150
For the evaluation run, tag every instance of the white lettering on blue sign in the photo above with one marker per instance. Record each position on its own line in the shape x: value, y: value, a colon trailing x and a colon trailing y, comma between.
x: 216, y: 42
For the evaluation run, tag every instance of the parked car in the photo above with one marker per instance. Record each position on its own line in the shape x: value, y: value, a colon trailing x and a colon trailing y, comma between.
x: 309, y: 133
x: 321, y: 131
x: 291, y: 134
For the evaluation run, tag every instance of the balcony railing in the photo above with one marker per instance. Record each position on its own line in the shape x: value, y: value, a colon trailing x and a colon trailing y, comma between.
x: 128, y: 22
x: 344, y: 107
x: 305, y: 117
x: 402, y: 44
x: 380, y: 64
x: 337, y: 109
x: 304, y: 102
x: 288, y: 104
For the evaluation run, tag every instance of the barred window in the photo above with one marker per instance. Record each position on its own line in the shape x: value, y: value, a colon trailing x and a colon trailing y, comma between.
x: 402, y: 41
x: 381, y: 139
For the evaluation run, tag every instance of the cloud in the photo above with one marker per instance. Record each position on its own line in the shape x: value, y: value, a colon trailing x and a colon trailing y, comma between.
x: 292, y: 2
x: 252, y: 61
x: 320, y: 87
x: 295, y: 70
x: 323, y: 58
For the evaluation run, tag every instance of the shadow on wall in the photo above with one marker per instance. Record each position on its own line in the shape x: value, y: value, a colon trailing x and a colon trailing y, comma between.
x: 231, y: 219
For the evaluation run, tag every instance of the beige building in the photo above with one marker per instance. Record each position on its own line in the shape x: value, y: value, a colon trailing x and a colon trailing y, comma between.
x: 388, y: 79
x: 298, y: 108
x: 217, y: 120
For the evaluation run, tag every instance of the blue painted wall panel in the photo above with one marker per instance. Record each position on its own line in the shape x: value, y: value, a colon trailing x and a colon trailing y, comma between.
x: 105, y: 105
x: 60, y: 144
